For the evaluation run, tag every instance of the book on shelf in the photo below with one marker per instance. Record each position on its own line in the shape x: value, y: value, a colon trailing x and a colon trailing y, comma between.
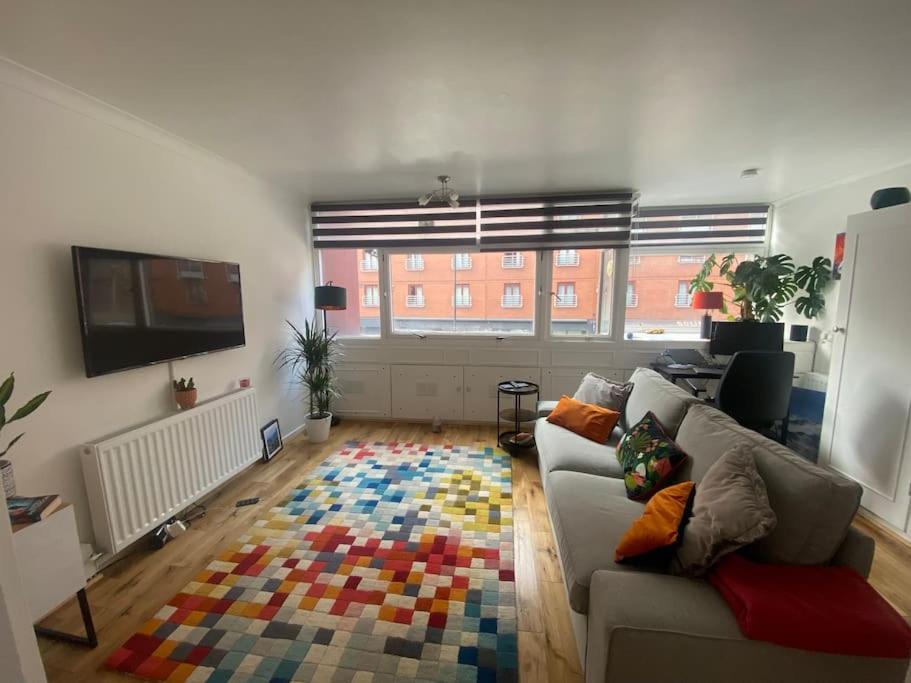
x: 28, y: 509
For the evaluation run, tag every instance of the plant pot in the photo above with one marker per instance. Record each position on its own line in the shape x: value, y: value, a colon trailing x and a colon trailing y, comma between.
x: 186, y: 399
x: 9, y: 481
x: 318, y: 428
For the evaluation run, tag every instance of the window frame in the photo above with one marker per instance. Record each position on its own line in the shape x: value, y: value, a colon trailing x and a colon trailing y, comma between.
x: 543, y: 286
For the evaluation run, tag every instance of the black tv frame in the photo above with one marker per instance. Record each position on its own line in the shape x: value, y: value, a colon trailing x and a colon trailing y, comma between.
x: 90, y: 371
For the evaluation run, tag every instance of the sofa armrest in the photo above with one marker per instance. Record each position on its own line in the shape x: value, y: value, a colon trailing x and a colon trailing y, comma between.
x: 645, y: 627
x: 629, y: 611
x: 856, y: 552
x: 545, y: 408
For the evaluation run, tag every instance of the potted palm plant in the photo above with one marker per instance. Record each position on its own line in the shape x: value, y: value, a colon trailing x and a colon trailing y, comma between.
x: 311, y: 358
x: 6, y: 391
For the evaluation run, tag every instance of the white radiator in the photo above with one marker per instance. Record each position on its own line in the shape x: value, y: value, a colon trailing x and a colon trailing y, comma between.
x: 138, y: 479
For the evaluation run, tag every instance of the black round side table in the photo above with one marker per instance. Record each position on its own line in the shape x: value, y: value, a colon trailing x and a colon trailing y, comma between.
x: 516, y: 415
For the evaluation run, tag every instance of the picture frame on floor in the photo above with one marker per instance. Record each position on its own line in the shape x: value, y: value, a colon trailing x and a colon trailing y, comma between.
x: 271, y: 434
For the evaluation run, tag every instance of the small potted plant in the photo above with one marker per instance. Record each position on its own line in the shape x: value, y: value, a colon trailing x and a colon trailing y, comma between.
x: 185, y: 393
x: 6, y: 391
x: 311, y: 358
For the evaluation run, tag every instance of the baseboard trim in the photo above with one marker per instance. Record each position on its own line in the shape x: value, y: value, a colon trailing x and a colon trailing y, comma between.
x: 884, y: 527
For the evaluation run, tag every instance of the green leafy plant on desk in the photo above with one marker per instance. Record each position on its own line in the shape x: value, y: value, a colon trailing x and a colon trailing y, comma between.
x: 763, y: 286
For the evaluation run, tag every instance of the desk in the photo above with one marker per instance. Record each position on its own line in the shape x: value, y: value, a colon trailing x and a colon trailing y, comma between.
x: 673, y: 374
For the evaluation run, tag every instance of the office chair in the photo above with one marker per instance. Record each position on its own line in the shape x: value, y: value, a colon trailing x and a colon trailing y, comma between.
x: 755, y: 389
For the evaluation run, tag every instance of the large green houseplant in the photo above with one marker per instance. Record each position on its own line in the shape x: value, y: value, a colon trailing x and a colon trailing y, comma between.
x: 311, y: 357
x: 763, y: 286
x: 6, y: 392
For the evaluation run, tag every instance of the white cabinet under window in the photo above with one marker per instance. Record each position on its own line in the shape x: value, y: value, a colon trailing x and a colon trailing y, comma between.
x: 365, y: 390
x: 423, y: 392
x: 865, y: 432
x: 481, y: 390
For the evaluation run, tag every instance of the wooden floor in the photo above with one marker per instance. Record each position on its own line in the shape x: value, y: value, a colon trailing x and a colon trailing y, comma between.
x: 134, y: 589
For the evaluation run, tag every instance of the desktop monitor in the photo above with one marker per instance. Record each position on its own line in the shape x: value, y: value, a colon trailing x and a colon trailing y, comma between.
x: 730, y: 337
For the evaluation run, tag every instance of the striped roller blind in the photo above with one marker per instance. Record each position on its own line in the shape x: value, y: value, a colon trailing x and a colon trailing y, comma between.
x: 366, y: 225
x: 557, y: 221
x: 732, y: 224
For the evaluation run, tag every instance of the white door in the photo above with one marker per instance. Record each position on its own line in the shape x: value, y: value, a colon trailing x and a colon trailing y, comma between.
x: 865, y: 427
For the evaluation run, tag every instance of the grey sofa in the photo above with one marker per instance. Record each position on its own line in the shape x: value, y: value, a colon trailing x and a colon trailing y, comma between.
x: 632, y: 625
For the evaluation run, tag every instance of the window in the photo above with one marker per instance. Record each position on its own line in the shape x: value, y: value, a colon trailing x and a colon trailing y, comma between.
x: 462, y: 296
x: 658, y: 300
x: 370, y: 263
x: 371, y: 296
x: 190, y: 270
x: 343, y: 268
x: 442, y: 300
x: 461, y: 261
x: 682, y: 297
x: 415, y: 298
x: 414, y: 262
x: 566, y: 295
x: 513, y: 259
x: 635, y: 260
x: 567, y: 257
x: 512, y: 295
x: 196, y: 292
x: 583, y: 306
x: 632, y: 299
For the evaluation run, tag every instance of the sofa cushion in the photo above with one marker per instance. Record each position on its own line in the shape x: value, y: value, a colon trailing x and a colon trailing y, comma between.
x: 653, y: 537
x: 585, y: 419
x: 731, y: 510
x: 814, y: 506
x: 589, y: 515
x: 561, y: 450
x: 651, y: 392
x: 649, y: 457
x: 603, y: 392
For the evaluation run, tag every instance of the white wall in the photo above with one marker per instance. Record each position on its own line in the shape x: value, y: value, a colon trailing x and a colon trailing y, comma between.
x: 805, y: 227
x: 74, y: 171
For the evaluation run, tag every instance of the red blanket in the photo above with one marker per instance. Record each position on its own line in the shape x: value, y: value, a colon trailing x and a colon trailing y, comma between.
x: 826, y: 609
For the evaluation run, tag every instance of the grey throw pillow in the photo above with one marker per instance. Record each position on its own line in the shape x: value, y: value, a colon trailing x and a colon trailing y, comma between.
x: 731, y: 510
x: 603, y: 392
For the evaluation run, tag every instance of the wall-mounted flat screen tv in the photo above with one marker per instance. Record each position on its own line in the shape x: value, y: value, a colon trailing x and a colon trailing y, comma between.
x: 139, y: 309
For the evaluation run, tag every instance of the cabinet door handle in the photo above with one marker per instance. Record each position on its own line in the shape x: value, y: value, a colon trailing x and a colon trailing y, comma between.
x: 839, y: 330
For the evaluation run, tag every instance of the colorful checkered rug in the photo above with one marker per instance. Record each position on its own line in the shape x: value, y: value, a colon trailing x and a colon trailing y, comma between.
x: 394, y: 561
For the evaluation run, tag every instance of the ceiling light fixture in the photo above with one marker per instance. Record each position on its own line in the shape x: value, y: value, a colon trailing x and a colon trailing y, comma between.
x: 444, y: 194
x: 748, y: 173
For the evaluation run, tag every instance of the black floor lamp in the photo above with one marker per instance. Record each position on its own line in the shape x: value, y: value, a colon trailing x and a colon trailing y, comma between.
x: 330, y: 297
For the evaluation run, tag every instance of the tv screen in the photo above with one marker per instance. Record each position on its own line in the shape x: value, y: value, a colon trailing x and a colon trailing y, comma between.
x: 138, y: 309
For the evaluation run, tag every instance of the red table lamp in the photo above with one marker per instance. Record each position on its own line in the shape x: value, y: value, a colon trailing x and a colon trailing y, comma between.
x: 707, y: 301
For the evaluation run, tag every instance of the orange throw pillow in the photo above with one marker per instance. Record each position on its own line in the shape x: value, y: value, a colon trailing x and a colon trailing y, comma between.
x: 661, y: 524
x: 585, y: 419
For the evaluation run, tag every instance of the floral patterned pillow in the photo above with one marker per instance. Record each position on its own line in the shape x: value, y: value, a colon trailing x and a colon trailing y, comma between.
x: 649, y: 458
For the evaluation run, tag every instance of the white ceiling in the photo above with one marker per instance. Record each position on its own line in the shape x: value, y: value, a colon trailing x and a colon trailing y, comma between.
x: 345, y: 99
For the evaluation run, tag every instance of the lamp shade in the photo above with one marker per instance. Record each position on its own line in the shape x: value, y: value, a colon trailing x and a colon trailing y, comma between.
x: 708, y: 301
x: 330, y: 298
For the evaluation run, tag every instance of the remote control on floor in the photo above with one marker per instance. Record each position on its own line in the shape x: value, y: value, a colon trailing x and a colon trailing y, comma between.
x: 247, y: 501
